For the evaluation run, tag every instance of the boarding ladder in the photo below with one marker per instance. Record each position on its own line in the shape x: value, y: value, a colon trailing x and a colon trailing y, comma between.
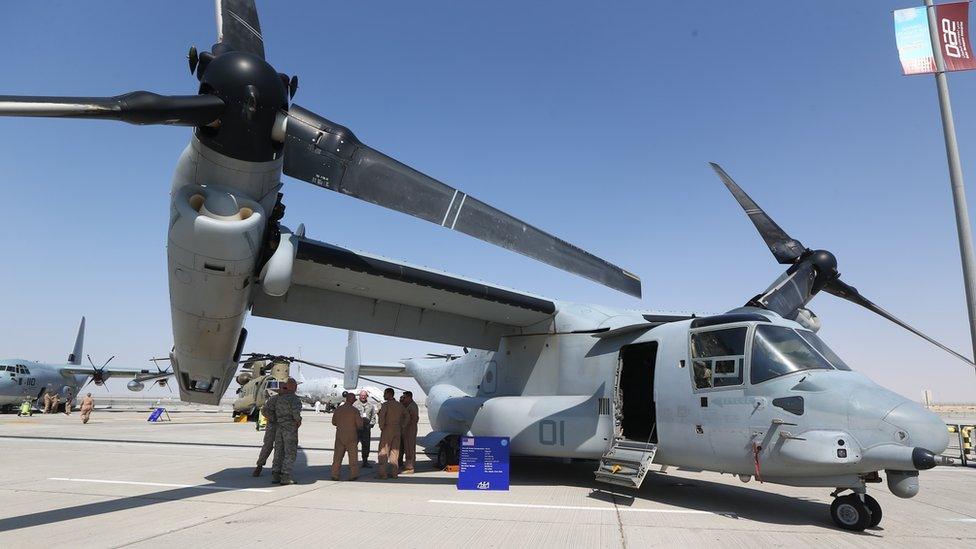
x: 626, y: 462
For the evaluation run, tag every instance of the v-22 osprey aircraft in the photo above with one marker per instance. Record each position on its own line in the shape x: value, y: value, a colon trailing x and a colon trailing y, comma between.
x: 22, y: 379
x: 753, y: 392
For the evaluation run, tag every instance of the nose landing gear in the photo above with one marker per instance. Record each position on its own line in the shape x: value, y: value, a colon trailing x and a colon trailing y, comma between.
x: 855, y: 511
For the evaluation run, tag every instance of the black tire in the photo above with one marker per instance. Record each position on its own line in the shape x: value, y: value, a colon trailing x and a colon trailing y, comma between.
x: 875, y: 508
x: 850, y: 513
x: 443, y: 455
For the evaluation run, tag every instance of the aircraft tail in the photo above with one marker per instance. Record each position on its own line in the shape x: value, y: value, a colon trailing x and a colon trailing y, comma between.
x: 354, y: 366
x: 75, y: 356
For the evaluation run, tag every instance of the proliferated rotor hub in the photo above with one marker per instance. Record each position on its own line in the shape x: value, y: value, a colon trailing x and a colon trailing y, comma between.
x: 254, y: 94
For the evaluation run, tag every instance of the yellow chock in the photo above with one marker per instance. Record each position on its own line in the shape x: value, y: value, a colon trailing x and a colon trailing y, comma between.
x: 240, y: 419
x: 615, y: 469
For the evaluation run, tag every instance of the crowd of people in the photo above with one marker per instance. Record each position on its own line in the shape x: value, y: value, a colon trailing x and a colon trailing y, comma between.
x: 52, y: 403
x: 354, y: 420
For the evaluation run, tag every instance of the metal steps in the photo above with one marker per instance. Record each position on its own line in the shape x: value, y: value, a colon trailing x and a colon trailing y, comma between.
x: 626, y: 463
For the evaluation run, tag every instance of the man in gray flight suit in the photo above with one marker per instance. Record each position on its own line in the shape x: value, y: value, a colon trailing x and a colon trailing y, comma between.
x: 270, y: 429
x: 368, y: 411
x: 288, y: 417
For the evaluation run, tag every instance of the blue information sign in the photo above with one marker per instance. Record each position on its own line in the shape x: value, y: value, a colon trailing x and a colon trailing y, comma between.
x: 154, y: 417
x: 483, y: 463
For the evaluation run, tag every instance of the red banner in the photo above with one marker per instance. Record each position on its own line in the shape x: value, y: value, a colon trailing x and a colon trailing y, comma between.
x: 952, y: 24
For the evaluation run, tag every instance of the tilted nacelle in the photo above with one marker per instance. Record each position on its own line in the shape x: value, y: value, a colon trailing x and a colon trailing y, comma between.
x: 218, y: 224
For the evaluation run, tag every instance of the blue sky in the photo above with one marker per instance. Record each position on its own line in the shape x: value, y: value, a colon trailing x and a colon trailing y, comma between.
x: 593, y: 122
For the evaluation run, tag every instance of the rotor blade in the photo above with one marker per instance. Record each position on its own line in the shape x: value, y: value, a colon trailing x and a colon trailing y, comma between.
x: 107, y: 361
x: 845, y: 291
x: 341, y: 371
x: 238, y: 27
x: 785, y: 249
x: 139, y: 107
x: 90, y: 362
x: 329, y: 155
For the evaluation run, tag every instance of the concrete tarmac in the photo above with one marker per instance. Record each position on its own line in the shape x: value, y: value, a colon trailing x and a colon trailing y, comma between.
x: 120, y: 481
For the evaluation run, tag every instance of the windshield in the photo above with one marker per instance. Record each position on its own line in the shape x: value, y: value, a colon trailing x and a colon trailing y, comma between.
x: 777, y: 351
x: 827, y: 352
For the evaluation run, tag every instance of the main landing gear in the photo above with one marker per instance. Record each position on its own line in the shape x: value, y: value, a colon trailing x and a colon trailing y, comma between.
x: 855, y: 511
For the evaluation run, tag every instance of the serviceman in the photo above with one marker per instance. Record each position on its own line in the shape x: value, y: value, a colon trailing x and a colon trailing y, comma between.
x: 368, y: 412
x: 67, y: 402
x: 270, y: 431
x: 26, y: 408
x: 47, y: 402
x: 288, y: 417
x: 410, y: 432
x: 87, y: 405
x: 348, y: 422
x: 392, y: 418
x: 55, y: 402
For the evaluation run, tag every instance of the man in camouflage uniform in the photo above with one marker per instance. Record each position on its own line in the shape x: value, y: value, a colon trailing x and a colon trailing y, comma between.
x: 47, y: 402
x: 270, y: 429
x: 288, y: 418
x: 410, y: 432
x: 55, y: 402
x: 67, y: 402
x: 393, y: 416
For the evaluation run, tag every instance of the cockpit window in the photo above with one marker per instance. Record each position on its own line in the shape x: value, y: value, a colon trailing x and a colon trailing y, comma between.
x: 827, y: 352
x: 25, y: 370
x: 717, y: 357
x: 777, y: 351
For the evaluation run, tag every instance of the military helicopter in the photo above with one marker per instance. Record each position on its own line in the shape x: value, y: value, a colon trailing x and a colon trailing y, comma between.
x: 562, y: 379
x: 261, y: 374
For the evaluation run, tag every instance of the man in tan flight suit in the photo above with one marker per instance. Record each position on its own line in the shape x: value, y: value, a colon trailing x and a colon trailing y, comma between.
x: 67, y: 402
x: 348, y: 421
x: 55, y: 402
x: 410, y: 432
x: 87, y: 405
x: 393, y: 416
x: 270, y: 430
x: 47, y: 402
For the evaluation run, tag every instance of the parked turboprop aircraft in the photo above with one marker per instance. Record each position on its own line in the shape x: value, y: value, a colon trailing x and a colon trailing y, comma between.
x: 21, y: 379
x: 753, y: 392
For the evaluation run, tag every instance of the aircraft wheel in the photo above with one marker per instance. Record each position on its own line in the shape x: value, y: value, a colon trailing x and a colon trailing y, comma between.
x: 850, y: 513
x: 443, y: 455
x: 875, y: 508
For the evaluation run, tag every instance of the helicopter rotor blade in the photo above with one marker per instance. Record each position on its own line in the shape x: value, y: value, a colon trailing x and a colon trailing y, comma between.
x: 238, y: 27
x: 138, y: 107
x: 843, y: 290
x: 327, y: 154
x: 785, y: 249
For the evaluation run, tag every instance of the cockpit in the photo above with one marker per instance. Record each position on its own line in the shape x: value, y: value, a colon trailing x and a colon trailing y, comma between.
x: 14, y: 369
x: 721, y: 355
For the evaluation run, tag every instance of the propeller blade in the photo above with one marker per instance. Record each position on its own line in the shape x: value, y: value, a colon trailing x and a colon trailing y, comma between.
x: 238, y: 27
x: 90, y: 362
x: 785, y: 249
x: 845, y: 291
x: 107, y: 361
x: 327, y: 154
x: 139, y: 107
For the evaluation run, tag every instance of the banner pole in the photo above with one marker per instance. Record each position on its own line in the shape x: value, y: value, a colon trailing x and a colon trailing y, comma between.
x: 955, y: 174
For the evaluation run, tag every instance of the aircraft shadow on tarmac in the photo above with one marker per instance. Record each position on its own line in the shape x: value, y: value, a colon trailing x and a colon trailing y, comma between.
x: 730, y: 500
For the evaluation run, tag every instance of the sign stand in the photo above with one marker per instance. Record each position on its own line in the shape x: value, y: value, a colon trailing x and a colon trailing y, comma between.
x: 157, y: 415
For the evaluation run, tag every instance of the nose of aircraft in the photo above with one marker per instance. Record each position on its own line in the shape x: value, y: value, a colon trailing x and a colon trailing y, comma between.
x: 924, y: 429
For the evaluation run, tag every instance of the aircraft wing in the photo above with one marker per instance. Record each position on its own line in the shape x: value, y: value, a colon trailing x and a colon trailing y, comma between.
x: 138, y: 375
x: 341, y: 288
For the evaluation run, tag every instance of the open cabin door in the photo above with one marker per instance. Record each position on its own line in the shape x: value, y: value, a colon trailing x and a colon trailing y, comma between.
x: 634, y: 444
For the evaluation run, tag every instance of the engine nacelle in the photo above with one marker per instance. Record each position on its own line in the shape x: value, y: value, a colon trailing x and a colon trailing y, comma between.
x: 135, y: 386
x: 218, y: 217
x: 214, y: 242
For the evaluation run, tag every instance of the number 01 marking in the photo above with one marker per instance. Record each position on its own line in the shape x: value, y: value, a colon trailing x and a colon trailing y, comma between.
x: 552, y: 433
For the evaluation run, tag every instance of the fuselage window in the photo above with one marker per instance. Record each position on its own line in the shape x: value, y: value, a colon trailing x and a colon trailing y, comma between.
x: 777, y: 351
x: 26, y: 371
x: 717, y: 357
x: 826, y: 351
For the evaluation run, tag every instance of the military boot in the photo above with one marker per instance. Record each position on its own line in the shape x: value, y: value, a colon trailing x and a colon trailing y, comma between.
x: 286, y: 480
x: 275, y: 478
x: 257, y: 471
